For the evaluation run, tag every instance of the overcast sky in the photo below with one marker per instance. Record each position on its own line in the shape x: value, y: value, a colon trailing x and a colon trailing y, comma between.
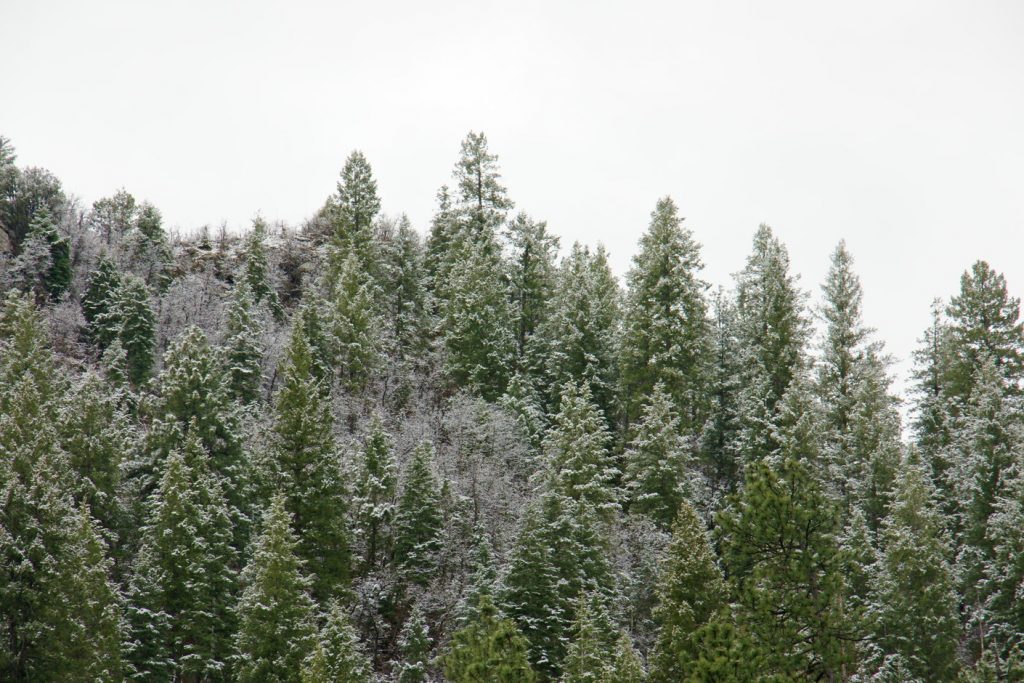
x: 898, y: 126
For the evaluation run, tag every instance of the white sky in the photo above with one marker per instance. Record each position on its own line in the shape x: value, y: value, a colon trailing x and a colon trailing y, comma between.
x: 898, y: 126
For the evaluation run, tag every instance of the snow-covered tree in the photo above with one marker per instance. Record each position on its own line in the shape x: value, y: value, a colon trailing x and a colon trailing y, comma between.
x: 418, y: 518
x: 488, y: 648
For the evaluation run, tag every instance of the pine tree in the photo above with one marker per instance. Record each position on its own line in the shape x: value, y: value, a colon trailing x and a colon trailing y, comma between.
x: 338, y: 657
x: 149, y: 251
x: 414, y: 645
x: 691, y: 591
x: 304, y: 469
x: 355, y: 327
x: 771, y: 331
x: 489, y: 648
x: 531, y: 275
x: 27, y: 272
x: 418, y: 519
x: 658, y: 463
x: 780, y: 548
x: 54, y: 272
x: 373, y: 503
x: 98, y: 299
x: 720, y: 440
x: 255, y: 270
x: 1005, y: 572
x: 475, y: 322
x: 577, y: 451
x: 666, y: 327
x: 483, y: 199
x: 860, y: 421
x: 184, y: 579
x: 131, y: 318
x: 589, y: 657
x: 113, y: 217
x: 627, y: 667
x: 243, y: 353
x: 316, y: 327
x: 578, y: 339
x: 914, y: 599
x: 357, y: 205
x: 275, y: 612
x: 407, y: 308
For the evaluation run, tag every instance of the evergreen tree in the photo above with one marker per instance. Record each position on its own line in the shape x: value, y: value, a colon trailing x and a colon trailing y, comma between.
x: 316, y: 328
x: 476, y: 322
x: 771, y: 331
x: 243, y: 354
x: 150, y: 254
x: 414, y: 645
x: 54, y: 276
x: 860, y: 421
x: 98, y: 299
x: 373, y: 502
x: 690, y: 592
x: 780, y: 548
x: 407, y: 307
x: 418, y: 519
x: 578, y: 339
x: 276, y: 631
x: 914, y: 599
x: 113, y: 217
x: 355, y: 327
x: 658, y: 462
x: 255, y: 270
x: 666, y: 327
x: 357, y: 205
x: 304, y: 469
x: 720, y: 440
x: 531, y: 275
x: 627, y: 666
x: 1005, y: 572
x: 589, y: 657
x: 131, y: 319
x: 576, y: 449
x: 483, y: 199
x: 28, y: 271
x: 184, y: 579
x: 489, y: 648
x: 338, y: 657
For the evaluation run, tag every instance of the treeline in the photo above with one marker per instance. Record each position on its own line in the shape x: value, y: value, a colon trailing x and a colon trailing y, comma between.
x: 343, y: 452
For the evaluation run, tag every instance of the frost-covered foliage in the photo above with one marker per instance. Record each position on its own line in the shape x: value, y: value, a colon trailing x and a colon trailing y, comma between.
x: 345, y: 452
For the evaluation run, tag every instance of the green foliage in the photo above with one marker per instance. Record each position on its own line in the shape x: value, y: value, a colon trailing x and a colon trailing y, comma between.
x: 355, y: 327
x: 98, y: 300
x: 255, y: 269
x: 577, y: 452
x: 665, y: 336
x: 356, y: 205
x: 590, y: 656
x: 531, y: 275
x: 627, y: 667
x: 488, y: 648
x: 373, y: 502
x: 303, y: 467
x: 658, y: 463
x: 778, y: 539
x: 132, y: 316
x: 483, y: 199
x: 414, y: 645
x: 338, y: 657
x: 691, y: 591
x: 243, y: 354
x: 276, y: 631
x: 418, y: 519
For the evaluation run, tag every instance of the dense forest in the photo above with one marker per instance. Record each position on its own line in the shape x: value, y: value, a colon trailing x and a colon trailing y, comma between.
x: 343, y: 451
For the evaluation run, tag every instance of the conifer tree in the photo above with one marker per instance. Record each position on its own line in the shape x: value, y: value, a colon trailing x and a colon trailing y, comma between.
x: 407, y: 309
x: 476, y: 322
x: 914, y: 599
x: 276, y: 631
x: 658, y: 462
x: 578, y: 339
x: 691, y: 591
x: 98, y: 299
x: 338, y: 657
x: 418, y: 519
x: 780, y: 548
x: 355, y: 327
x: 414, y: 645
x: 27, y: 272
x: 131, y: 317
x: 373, y: 502
x: 1005, y: 571
x: 483, y: 199
x: 531, y: 275
x: 52, y: 273
x: 589, y: 657
x: 113, y: 217
x: 255, y: 270
x: 627, y: 667
x: 304, y: 469
x: 577, y: 451
x: 860, y: 421
x: 720, y: 439
x: 184, y: 579
x: 488, y: 648
x: 771, y: 331
x: 150, y: 254
x: 242, y: 350
x: 316, y: 327
x: 357, y: 206
x: 666, y: 327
